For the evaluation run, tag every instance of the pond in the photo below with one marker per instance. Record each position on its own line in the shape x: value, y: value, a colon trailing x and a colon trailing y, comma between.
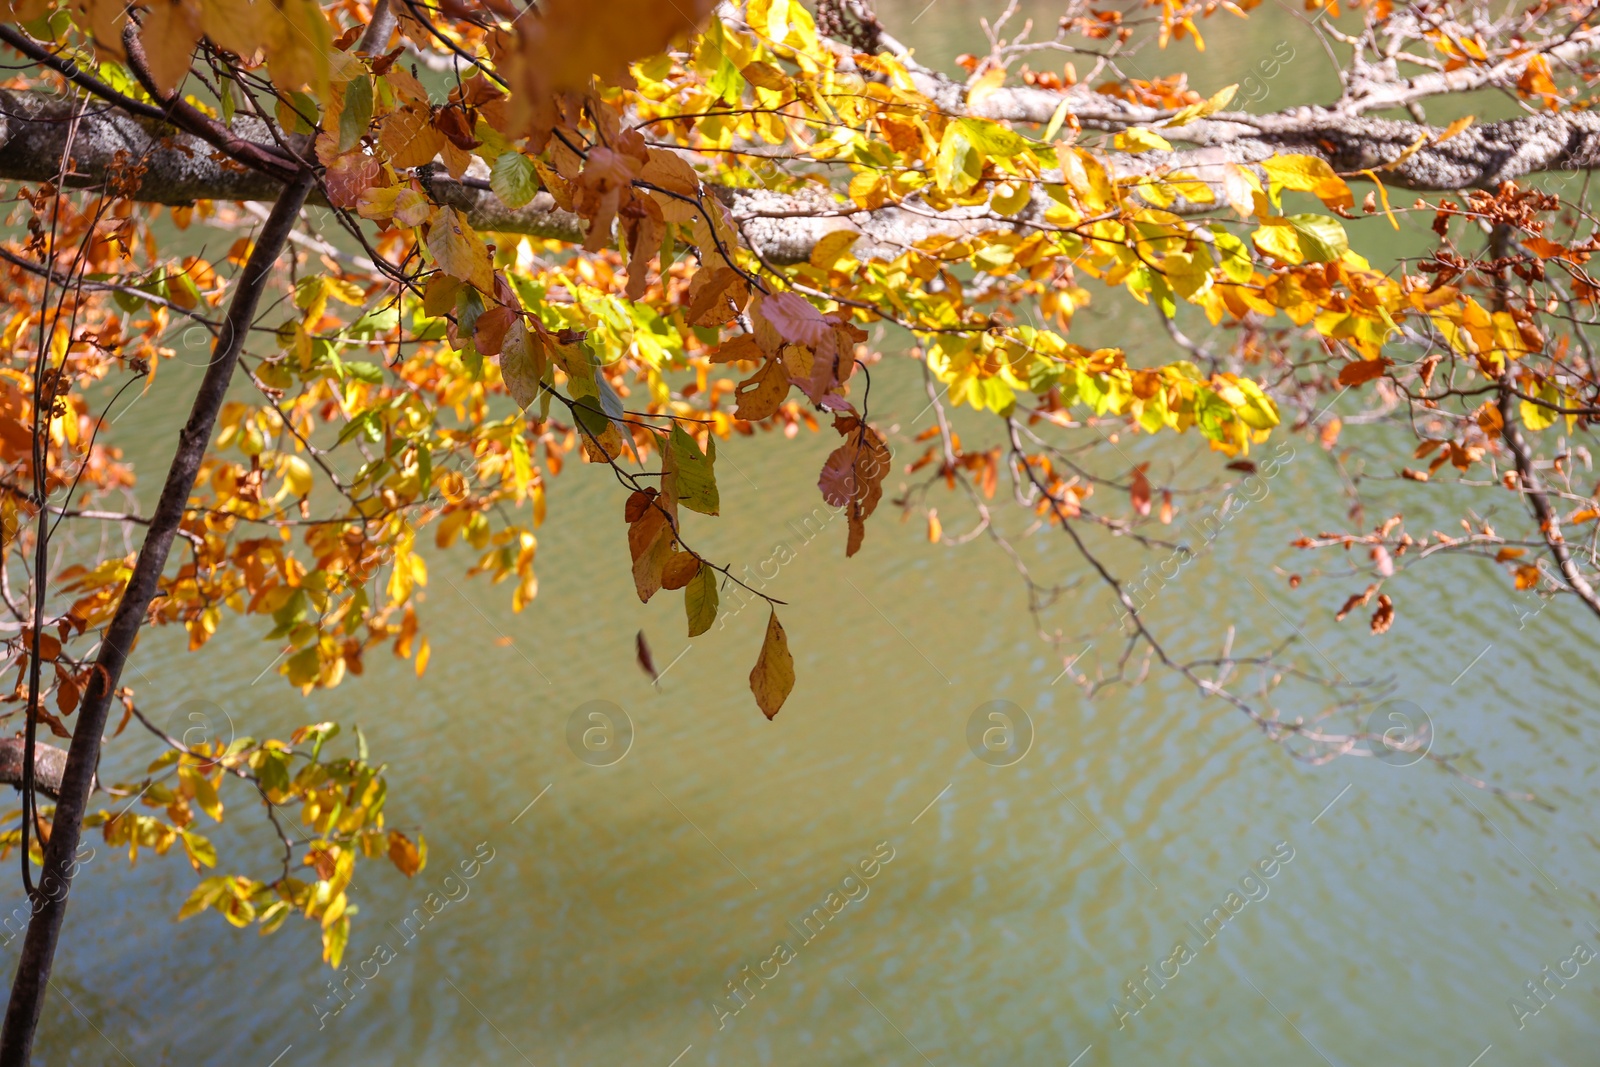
x: 862, y: 881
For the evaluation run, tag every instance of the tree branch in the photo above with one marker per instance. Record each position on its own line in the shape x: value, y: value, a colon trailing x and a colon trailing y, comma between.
x: 158, y: 163
x: 44, y: 927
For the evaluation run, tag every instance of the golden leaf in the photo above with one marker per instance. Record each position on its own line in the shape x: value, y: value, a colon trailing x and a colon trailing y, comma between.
x: 459, y: 251
x: 772, y: 678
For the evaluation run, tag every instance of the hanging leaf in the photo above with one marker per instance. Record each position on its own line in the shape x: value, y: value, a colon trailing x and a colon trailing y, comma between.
x: 696, y: 482
x: 700, y: 601
x: 760, y: 396
x: 772, y: 679
x: 522, y: 363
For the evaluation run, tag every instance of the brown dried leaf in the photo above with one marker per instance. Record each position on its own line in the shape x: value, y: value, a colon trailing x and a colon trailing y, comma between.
x: 759, y: 397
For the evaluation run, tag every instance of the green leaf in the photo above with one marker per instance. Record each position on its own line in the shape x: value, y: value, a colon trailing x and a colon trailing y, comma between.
x: 590, y: 417
x: 356, y: 115
x: 1322, y: 240
x: 205, y: 894
x: 700, y: 600
x: 424, y: 468
x: 993, y: 139
x: 202, y: 853
x: 1233, y: 255
x: 513, y: 179
x: 696, y: 480
x: 363, y: 371
x: 1537, y: 417
x: 368, y: 423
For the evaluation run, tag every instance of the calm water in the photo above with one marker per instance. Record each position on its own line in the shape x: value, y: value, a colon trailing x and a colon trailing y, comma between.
x: 1017, y: 902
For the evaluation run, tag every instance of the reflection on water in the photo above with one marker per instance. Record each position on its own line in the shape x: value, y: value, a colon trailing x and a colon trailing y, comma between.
x: 866, y: 879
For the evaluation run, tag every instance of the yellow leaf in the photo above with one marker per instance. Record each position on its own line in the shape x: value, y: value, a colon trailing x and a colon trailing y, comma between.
x: 1241, y: 187
x: 297, y: 475
x: 1139, y: 139
x: 459, y: 251
x: 868, y: 190
x: 1383, y: 195
x: 1308, y: 174
x: 1411, y: 150
x: 1222, y: 99
x: 832, y: 248
x: 1058, y: 117
x: 986, y: 85
x: 1454, y: 128
x: 1276, y: 237
x: 772, y: 678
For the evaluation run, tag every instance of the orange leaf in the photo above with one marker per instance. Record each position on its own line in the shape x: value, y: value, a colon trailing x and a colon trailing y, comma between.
x: 1353, y: 374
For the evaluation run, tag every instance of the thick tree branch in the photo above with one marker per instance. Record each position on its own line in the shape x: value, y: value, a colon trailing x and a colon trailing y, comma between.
x: 158, y: 163
x: 49, y: 763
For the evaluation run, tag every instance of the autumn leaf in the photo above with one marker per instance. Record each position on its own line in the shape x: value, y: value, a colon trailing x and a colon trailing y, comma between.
x: 562, y: 44
x: 759, y: 397
x: 700, y: 601
x: 1383, y: 617
x: 681, y: 568
x: 522, y: 363
x: 695, y: 481
x: 403, y: 853
x: 1362, y: 371
x: 716, y: 297
x: 772, y: 679
x: 409, y: 138
x: 489, y: 332
x: 852, y: 477
x: 459, y: 251
x: 1139, y: 490
x: 742, y: 347
x: 1357, y: 600
x: 650, y: 540
x: 1309, y: 174
x: 169, y: 33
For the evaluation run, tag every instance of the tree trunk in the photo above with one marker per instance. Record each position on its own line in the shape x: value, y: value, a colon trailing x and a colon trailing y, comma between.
x: 50, y: 903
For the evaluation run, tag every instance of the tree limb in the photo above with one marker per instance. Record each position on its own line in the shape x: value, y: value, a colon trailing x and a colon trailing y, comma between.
x: 44, y: 927
x: 158, y: 163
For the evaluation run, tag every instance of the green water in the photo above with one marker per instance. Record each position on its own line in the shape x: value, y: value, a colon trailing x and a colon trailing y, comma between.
x: 1384, y: 914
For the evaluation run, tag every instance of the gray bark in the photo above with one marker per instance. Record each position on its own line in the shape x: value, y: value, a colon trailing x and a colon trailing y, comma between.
x: 157, y: 163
